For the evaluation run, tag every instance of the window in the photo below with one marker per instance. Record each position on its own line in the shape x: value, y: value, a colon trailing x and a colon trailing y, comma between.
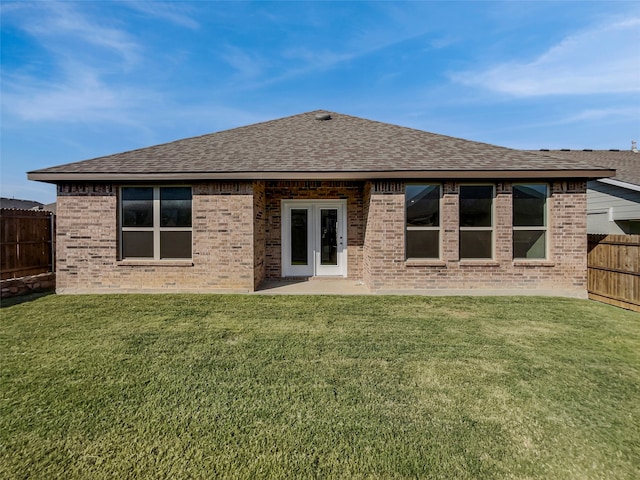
x: 476, y: 221
x: 156, y: 222
x: 422, y: 205
x: 530, y: 221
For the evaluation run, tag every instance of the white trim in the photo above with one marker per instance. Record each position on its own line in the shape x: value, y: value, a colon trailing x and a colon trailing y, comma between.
x: 624, y: 216
x: 313, y: 268
x: 289, y: 270
x: 618, y: 183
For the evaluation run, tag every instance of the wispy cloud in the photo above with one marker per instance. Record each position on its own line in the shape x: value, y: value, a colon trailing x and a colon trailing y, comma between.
x: 247, y: 65
x: 54, y: 22
x: 599, y: 60
x: 79, y: 96
x: 300, y: 61
x: 177, y: 14
x: 442, y: 42
x: 84, y: 57
x: 317, y: 58
x: 602, y: 114
x: 583, y: 118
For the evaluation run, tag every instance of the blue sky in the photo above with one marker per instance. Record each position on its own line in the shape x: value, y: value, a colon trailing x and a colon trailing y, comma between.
x: 85, y: 79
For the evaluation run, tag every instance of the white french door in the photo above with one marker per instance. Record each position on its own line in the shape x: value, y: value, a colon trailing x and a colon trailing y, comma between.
x: 314, y: 238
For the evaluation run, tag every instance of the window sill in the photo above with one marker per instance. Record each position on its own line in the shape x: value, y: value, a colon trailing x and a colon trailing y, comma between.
x: 155, y: 263
x: 479, y: 263
x: 424, y: 263
x: 533, y: 263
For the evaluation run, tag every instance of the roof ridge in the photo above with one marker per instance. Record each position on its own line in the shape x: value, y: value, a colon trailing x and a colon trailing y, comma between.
x: 439, y: 135
x: 301, y: 143
x: 194, y: 137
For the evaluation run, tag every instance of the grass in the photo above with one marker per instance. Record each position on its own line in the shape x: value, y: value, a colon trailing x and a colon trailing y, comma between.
x: 188, y: 386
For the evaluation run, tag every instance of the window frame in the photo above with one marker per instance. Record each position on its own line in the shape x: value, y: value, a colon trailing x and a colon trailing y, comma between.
x: 156, y: 227
x: 438, y: 229
x: 524, y: 228
x: 491, y: 228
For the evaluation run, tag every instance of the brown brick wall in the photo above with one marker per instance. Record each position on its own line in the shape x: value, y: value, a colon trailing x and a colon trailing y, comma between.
x: 315, y: 190
x: 260, y: 234
x: 385, y: 267
x: 367, y: 236
x: 86, y: 236
x: 223, y: 243
x: 237, y: 244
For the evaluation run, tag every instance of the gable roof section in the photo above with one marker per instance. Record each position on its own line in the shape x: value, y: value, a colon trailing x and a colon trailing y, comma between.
x: 625, y: 162
x: 305, y: 146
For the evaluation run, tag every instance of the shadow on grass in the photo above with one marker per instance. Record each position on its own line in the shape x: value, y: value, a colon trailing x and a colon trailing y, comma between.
x: 12, y: 301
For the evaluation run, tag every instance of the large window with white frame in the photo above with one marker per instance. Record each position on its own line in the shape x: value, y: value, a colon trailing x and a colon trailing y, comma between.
x: 155, y: 223
x: 530, y: 220
x: 422, y: 207
x: 476, y: 221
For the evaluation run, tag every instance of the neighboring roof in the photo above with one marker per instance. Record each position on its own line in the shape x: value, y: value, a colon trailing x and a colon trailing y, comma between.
x: 625, y: 162
x: 19, y: 204
x: 50, y: 207
x: 318, y: 145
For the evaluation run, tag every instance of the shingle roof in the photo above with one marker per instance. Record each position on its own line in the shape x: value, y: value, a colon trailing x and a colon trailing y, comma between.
x: 18, y: 204
x: 625, y: 162
x: 340, y: 147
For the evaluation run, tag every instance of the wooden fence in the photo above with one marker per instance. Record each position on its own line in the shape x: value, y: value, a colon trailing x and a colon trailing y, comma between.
x: 26, y: 242
x: 613, y: 263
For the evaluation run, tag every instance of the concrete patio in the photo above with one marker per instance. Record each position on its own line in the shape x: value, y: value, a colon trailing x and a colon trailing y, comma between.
x: 313, y: 286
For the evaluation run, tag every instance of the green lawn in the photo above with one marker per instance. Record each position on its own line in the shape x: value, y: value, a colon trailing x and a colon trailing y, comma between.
x: 198, y: 386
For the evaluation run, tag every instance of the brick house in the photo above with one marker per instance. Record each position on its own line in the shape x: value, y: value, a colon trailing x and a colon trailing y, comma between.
x: 321, y: 194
